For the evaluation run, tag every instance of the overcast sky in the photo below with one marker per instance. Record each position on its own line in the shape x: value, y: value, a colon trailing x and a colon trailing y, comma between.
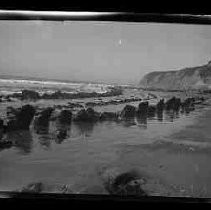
x: 100, y: 51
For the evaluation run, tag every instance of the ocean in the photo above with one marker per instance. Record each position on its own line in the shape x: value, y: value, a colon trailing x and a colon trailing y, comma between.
x: 10, y: 86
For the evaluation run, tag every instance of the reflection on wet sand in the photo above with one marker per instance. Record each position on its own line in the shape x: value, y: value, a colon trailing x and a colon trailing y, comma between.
x: 84, y: 128
x: 160, y: 116
x: 142, y: 120
x: 171, y: 115
x: 129, y: 122
x: 62, y: 132
x: 21, y: 140
x: 39, y: 129
x: 45, y: 141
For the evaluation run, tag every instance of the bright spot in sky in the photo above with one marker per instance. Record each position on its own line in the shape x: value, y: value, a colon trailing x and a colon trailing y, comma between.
x: 120, y: 42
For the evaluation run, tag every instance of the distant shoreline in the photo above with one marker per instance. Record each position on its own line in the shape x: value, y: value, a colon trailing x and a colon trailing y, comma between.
x: 10, y: 77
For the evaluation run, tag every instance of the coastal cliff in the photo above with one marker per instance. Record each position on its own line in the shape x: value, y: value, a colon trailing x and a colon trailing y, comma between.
x: 185, y: 79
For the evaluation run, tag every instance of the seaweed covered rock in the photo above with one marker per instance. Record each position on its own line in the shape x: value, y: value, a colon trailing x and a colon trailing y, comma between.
x: 5, y: 144
x: 30, y: 94
x: 61, y: 135
x: 188, y: 105
x: 88, y: 115
x: 74, y: 105
x: 128, y: 183
x: 189, y: 102
x: 20, y: 119
x: 143, y: 108
x: 173, y: 104
x: 65, y: 116
x: 160, y: 105
x: 1, y: 124
x: 108, y: 116
x: 1, y: 128
x: 128, y: 111
x: 33, y: 187
x: 42, y: 119
x: 151, y: 111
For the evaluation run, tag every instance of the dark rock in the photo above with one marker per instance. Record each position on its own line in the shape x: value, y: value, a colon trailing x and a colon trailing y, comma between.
x: 84, y: 128
x: 160, y: 105
x: 34, y: 188
x: 61, y: 135
x: 151, y: 111
x: 91, y: 104
x: 189, y: 102
x: 65, y: 116
x: 74, y: 105
x: 16, y: 95
x: 43, y: 117
x: 63, y: 95
x: 21, y: 140
x: 2, y: 128
x: 87, y: 115
x: 188, y: 105
x: 143, y: 107
x: 108, y: 116
x: 1, y: 124
x: 5, y: 144
x: 142, y: 120
x: 173, y: 104
x: 160, y: 116
x: 20, y: 119
x: 128, y: 111
x: 128, y: 183
x: 30, y: 94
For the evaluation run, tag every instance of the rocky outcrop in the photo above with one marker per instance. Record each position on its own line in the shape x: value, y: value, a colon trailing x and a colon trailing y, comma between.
x: 20, y: 119
x: 185, y: 79
x: 124, y: 184
x: 151, y: 111
x: 30, y: 94
x: 160, y: 105
x: 1, y: 124
x: 173, y: 104
x: 5, y: 144
x: 61, y: 135
x: 128, y: 111
x: 43, y: 117
x: 112, y: 102
x: 143, y: 108
x: 108, y: 116
x: 65, y: 116
x: 88, y: 115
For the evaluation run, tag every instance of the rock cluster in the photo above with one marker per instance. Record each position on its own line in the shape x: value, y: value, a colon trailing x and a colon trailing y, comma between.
x: 128, y: 111
x: 112, y: 102
x: 87, y: 115
x: 124, y: 184
x: 31, y: 94
x: 20, y: 119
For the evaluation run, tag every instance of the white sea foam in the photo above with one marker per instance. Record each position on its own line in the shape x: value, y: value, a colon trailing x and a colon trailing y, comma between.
x: 9, y: 86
